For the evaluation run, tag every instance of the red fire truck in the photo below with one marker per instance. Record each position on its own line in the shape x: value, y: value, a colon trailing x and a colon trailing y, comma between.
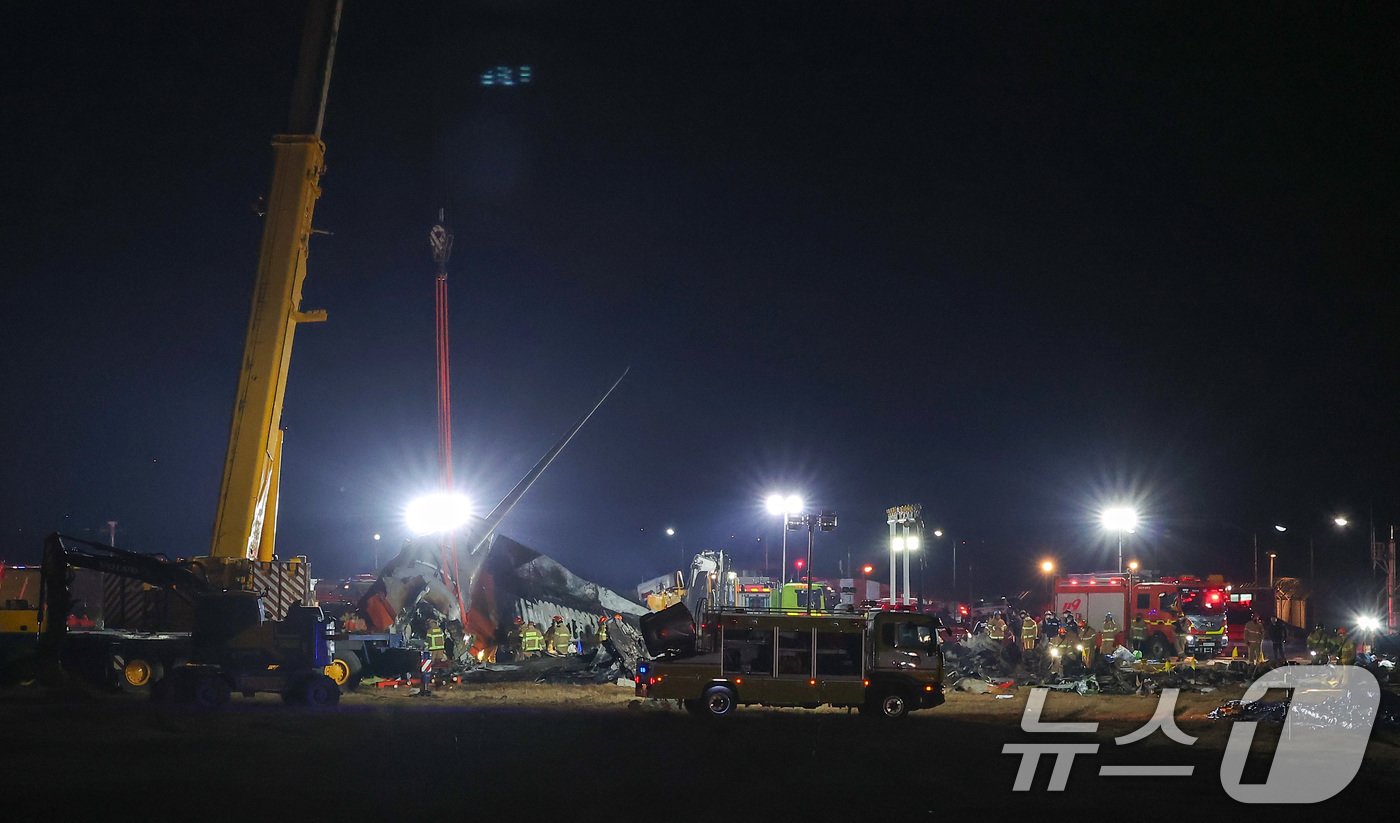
x: 1160, y: 602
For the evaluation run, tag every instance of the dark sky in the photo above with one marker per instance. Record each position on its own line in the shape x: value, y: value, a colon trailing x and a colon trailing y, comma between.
x: 1009, y: 262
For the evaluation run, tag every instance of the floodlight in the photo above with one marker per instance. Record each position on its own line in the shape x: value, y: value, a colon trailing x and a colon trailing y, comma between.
x: 438, y: 513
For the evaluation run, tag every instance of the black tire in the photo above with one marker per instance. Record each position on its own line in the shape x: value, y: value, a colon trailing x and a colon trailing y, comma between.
x: 345, y: 670
x: 320, y: 692
x: 1158, y: 648
x: 138, y: 675
x: 695, y: 707
x: 209, y: 691
x: 891, y: 705
x: 720, y: 701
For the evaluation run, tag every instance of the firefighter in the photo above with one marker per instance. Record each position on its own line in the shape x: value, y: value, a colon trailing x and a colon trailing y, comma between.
x: 557, y: 640
x: 1317, y: 644
x: 512, y: 644
x: 1181, y: 628
x: 1254, y: 640
x: 1346, y: 648
x: 1029, y: 631
x: 1108, y: 635
x: 437, y: 641
x: 1050, y: 627
x: 1061, y: 647
x: 996, y: 629
x: 1278, y: 636
x: 1139, y: 633
x: 601, y: 635
x: 531, y: 639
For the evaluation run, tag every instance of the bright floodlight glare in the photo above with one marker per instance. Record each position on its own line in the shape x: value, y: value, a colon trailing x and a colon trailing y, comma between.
x: 1340, y: 521
x: 1132, y: 565
x: 438, y: 513
x: 912, y: 543
x: 376, y: 536
x: 1119, y: 518
x: 1047, y: 567
x: 1368, y: 624
x: 776, y: 504
x: 937, y: 532
x: 897, y: 544
x: 794, y: 504
x: 1280, y: 527
x: 670, y: 532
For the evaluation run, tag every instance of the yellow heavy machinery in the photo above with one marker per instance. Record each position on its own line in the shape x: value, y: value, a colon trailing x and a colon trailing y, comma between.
x: 245, y: 523
x: 242, y: 562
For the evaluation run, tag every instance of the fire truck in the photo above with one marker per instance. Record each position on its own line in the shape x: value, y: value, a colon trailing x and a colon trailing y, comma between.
x: 1160, y: 601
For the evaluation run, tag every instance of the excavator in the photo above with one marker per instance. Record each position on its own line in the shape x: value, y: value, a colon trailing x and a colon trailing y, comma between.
x: 247, y: 602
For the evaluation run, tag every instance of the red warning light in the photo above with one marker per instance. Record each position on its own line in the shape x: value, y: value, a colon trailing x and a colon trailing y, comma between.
x: 800, y: 563
x: 868, y: 569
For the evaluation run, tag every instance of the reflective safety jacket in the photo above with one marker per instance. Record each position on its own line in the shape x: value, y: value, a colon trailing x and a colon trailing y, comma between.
x: 437, y: 640
x: 559, y: 638
x: 1029, y: 629
x: 1109, y: 630
x: 531, y: 640
x: 1253, y: 632
x: 1139, y: 630
x: 996, y: 629
x: 602, y: 634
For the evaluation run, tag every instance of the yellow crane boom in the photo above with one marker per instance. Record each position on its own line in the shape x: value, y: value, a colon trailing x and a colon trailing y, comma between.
x: 246, y: 519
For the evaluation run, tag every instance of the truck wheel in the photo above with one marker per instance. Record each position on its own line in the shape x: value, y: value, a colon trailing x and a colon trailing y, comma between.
x: 344, y: 669
x: 1158, y: 648
x: 320, y: 692
x: 695, y: 707
x: 720, y: 701
x: 209, y: 691
x: 892, y: 705
x: 138, y: 674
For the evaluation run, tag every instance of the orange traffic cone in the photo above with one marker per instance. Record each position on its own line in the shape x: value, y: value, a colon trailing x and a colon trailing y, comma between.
x: 1234, y: 652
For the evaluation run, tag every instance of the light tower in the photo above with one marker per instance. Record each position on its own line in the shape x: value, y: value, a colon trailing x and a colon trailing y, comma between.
x: 906, y: 533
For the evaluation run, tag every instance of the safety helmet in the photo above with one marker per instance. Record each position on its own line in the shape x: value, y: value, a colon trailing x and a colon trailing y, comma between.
x: 1108, y: 614
x: 603, y: 619
x: 1341, y: 630
x: 519, y: 620
x: 617, y: 617
x: 558, y: 618
x: 1063, y: 630
x: 1049, y: 614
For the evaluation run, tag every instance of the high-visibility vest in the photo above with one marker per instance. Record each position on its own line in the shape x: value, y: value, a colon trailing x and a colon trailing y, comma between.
x: 602, y: 634
x: 1028, y: 629
x: 1253, y: 633
x: 1109, y: 631
x: 530, y: 639
x: 996, y: 630
x: 559, y: 635
x: 1139, y: 630
x: 437, y: 641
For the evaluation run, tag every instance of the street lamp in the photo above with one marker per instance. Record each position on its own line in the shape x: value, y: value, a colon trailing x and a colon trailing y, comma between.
x: 1119, y: 519
x: 1272, y: 555
x: 785, y: 505
x: 825, y: 521
x: 1047, y: 568
x: 671, y: 532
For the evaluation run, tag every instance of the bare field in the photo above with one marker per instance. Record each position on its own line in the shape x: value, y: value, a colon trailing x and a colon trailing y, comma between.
x: 583, y: 752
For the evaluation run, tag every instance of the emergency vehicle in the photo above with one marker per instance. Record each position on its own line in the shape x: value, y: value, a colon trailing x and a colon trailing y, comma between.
x: 1160, y: 602
x: 884, y: 663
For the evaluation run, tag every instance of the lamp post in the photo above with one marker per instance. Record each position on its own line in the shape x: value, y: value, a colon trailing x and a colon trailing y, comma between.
x: 671, y: 532
x: 906, y: 526
x: 1272, y: 555
x: 825, y: 521
x: 1119, y: 519
x: 1047, y: 567
x: 785, y: 505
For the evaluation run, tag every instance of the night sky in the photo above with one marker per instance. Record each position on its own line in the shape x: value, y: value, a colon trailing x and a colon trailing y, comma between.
x: 1009, y: 261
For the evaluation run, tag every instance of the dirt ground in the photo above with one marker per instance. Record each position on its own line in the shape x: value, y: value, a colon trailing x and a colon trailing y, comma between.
x: 540, y: 752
